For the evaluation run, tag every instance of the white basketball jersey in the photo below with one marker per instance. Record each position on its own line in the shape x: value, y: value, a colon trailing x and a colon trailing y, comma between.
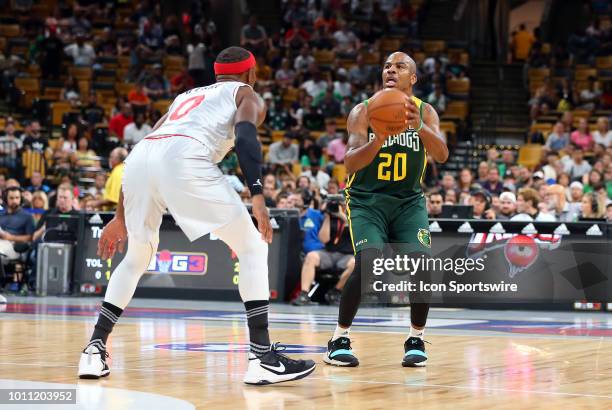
x: 205, y: 114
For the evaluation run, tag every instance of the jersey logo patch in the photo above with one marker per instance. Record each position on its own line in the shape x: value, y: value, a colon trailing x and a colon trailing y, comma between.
x: 424, y: 237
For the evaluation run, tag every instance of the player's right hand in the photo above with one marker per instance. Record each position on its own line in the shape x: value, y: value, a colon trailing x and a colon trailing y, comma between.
x: 260, y: 212
x: 113, y: 239
x: 413, y: 115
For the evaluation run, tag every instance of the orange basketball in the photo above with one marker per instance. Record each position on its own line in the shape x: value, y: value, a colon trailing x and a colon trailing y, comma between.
x: 387, y: 111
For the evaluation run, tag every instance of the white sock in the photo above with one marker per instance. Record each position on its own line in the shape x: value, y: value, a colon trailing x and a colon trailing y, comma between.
x: 340, y: 332
x: 416, y: 332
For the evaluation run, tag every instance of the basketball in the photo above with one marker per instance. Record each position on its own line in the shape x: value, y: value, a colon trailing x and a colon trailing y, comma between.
x: 387, y: 111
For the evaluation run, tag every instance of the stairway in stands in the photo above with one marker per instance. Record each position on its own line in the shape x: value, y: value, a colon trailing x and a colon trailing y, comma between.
x: 498, y: 106
x: 438, y: 23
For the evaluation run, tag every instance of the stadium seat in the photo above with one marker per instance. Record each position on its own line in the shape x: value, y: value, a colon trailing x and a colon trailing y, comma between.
x: 324, y: 57
x: 458, y: 88
x: 124, y: 61
x: 433, y: 46
x: 530, y: 155
x: 583, y: 74
x: 277, y: 135
x: 388, y: 45
x: 162, y: 105
x: 603, y: 63
x: 456, y: 110
x: 18, y: 46
x: 124, y: 88
x: 543, y: 127
x: 174, y: 63
x: 42, y: 10
x: 339, y: 172
x: 81, y: 73
x: 538, y: 73
x: 341, y: 123
x: 30, y: 87
x: 104, y: 76
x: 581, y: 114
x: 58, y: 109
x: 296, y: 169
x: 291, y: 95
x: 316, y: 134
x: 34, y: 70
x: 105, y: 91
x: 52, y: 93
x: 371, y: 58
x: 10, y: 30
x: 448, y: 127
x: 419, y: 57
x: 84, y: 87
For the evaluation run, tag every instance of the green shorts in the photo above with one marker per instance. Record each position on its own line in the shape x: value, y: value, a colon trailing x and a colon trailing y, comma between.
x: 382, y: 219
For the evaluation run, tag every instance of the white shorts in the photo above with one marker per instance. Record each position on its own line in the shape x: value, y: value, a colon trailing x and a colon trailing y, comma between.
x: 176, y: 173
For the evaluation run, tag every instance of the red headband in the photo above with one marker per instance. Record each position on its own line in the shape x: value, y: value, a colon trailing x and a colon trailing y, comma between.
x: 238, y: 67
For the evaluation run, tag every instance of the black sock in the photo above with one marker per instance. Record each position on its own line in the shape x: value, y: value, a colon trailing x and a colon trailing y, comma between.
x: 257, y: 319
x: 109, y: 314
x: 356, y: 285
x: 419, y: 300
x: 418, y: 314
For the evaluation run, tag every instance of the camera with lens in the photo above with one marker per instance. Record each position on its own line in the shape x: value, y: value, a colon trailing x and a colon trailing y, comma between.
x: 333, y: 203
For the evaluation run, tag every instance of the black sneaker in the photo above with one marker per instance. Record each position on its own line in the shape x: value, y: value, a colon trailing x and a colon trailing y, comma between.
x: 302, y: 300
x: 339, y: 353
x: 275, y: 367
x: 333, y: 296
x: 414, y: 355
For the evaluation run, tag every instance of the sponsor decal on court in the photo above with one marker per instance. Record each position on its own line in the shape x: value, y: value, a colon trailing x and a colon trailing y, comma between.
x: 178, y: 263
x: 234, y: 347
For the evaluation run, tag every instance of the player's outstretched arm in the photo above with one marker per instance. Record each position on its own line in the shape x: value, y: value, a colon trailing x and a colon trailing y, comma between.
x: 431, y: 136
x: 360, y: 152
x: 248, y: 150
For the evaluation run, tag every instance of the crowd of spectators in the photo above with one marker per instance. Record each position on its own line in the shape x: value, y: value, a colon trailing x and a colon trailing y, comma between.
x: 564, y: 187
x: 570, y: 109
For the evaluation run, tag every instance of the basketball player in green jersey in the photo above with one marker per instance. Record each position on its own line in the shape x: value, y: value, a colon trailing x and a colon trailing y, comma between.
x: 386, y: 203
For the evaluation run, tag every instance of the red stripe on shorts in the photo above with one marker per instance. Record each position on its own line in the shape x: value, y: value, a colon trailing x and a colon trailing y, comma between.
x: 163, y: 136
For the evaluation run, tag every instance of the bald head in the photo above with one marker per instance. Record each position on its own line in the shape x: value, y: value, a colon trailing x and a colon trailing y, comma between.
x: 399, y: 72
x: 400, y: 56
x: 117, y: 156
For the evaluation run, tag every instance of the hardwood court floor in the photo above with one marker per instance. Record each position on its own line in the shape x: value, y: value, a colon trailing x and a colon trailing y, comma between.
x: 496, y: 362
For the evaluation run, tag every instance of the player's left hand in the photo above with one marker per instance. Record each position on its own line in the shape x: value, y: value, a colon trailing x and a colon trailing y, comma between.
x: 260, y: 212
x: 113, y: 239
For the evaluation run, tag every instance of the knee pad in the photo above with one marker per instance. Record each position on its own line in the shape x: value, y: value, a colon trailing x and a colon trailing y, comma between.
x: 253, y: 281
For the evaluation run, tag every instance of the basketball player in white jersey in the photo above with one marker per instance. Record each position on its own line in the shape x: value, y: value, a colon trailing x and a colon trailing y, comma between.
x: 174, y: 167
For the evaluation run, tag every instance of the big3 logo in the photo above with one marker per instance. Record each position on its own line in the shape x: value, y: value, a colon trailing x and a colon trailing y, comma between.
x: 178, y: 263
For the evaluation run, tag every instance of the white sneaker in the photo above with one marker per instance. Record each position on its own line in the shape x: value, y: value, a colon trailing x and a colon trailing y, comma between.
x: 93, y: 361
x: 3, y: 300
x: 274, y: 367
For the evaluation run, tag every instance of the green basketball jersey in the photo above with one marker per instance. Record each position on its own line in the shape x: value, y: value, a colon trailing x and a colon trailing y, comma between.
x: 398, y: 168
